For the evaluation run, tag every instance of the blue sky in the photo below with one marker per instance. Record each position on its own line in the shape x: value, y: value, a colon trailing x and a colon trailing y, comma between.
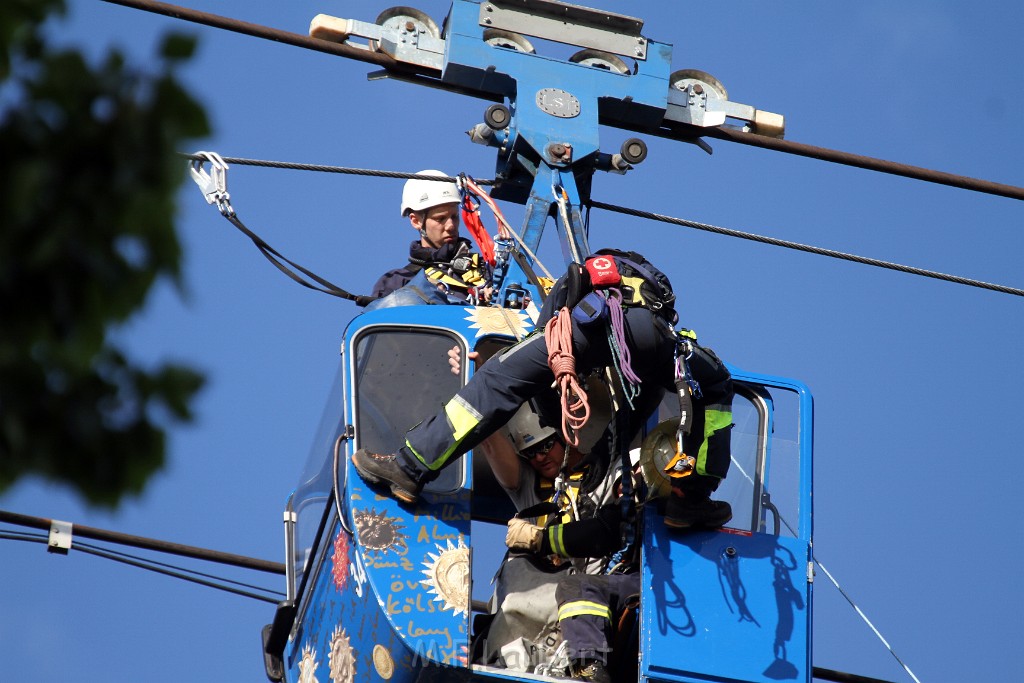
x: 916, y: 381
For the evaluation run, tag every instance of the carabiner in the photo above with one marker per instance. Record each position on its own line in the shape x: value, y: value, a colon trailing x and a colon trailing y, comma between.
x: 214, y: 187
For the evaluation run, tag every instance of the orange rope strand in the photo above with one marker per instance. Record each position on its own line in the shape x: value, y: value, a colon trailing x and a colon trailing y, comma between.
x: 575, y: 407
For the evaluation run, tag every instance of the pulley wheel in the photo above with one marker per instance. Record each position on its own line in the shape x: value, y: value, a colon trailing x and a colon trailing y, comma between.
x: 600, y: 60
x: 682, y: 79
x: 508, y: 40
x: 406, y: 19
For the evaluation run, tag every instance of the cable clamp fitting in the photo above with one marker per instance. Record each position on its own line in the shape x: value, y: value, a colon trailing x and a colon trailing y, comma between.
x: 60, y: 537
x: 214, y: 185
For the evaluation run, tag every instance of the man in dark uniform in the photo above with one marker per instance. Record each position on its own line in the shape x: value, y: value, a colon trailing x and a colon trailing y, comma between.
x: 432, y: 207
x: 521, y: 373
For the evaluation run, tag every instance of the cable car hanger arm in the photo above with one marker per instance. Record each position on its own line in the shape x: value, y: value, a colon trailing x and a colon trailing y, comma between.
x: 677, y: 131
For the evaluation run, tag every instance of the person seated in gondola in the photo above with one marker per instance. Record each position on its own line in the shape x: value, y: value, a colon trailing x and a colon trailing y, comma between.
x: 548, y: 482
x: 442, y: 267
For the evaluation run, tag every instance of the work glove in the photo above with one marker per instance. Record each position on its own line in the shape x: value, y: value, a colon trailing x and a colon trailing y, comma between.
x: 523, y: 536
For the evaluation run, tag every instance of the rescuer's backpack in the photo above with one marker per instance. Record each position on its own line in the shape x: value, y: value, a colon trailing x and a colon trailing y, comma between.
x: 641, y: 283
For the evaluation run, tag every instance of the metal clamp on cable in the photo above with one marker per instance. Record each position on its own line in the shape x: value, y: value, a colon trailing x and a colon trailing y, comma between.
x: 60, y: 537
x: 214, y: 187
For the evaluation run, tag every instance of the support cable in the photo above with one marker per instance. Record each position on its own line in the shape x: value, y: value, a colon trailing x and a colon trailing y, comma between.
x: 149, y: 544
x: 867, y: 163
x: 820, y: 251
x: 151, y: 565
x: 277, y: 35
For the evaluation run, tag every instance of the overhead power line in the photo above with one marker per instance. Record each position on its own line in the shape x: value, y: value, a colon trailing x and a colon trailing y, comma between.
x: 432, y: 77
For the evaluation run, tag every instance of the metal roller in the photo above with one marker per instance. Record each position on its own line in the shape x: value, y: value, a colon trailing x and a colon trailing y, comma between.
x: 408, y: 20
x: 600, y: 60
x: 708, y: 84
x: 508, y: 40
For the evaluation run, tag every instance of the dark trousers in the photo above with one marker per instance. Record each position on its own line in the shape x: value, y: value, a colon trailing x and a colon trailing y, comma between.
x: 588, y: 611
x: 521, y: 373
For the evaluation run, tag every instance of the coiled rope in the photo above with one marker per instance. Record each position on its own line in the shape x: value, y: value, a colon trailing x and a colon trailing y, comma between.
x: 575, y: 406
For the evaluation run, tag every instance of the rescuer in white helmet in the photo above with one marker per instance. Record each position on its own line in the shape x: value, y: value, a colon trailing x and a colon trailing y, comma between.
x: 432, y: 207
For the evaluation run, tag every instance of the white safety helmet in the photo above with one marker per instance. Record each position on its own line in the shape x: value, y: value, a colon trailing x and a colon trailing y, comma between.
x: 525, y: 429
x: 423, y: 194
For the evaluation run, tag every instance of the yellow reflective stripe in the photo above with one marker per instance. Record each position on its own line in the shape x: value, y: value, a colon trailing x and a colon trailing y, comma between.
x: 467, y: 279
x: 463, y: 418
x: 555, y: 540
x: 714, y: 420
x: 581, y: 608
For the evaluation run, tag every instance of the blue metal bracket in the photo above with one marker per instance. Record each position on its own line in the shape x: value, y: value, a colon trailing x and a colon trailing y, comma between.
x: 549, y: 136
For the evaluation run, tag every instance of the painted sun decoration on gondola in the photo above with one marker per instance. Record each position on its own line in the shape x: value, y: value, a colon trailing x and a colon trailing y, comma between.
x: 448, y: 576
x: 308, y: 665
x: 342, y: 660
x: 501, y: 320
x: 379, y: 533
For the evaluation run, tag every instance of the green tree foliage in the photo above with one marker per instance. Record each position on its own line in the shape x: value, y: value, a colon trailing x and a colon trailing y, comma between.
x: 88, y: 178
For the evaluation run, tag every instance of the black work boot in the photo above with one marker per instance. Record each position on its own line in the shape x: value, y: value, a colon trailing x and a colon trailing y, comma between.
x: 591, y: 670
x: 691, y: 507
x: 383, y: 468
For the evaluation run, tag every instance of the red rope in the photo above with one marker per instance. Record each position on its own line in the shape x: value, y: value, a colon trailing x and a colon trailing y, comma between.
x: 503, y: 230
x: 575, y: 407
x: 471, y: 219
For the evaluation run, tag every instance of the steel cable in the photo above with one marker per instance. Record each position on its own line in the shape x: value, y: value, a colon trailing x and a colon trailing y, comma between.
x: 820, y: 251
x: 649, y: 215
x: 171, y: 570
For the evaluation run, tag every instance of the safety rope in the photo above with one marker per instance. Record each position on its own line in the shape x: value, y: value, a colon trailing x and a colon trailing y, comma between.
x: 275, y: 257
x: 505, y: 230
x: 558, y: 336
x: 621, y: 356
x: 323, y: 168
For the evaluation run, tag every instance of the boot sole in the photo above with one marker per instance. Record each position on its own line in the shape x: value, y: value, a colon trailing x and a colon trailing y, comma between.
x: 682, y: 524
x: 397, y: 490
